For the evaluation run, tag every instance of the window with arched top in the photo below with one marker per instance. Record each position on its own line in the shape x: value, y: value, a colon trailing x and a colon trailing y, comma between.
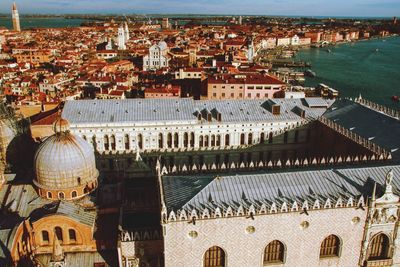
x: 192, y: 139
x: 72, y: 235
x: 330, y: 247
x: 169, y: 140
x: 250, y: 139
x: 274, y: 252
x: 94, y: 142
x: 74, y: 194
x: 58, y: 233
x: 176, y: 140
x: 214, y: 257
x: 106, y: 143
x: 45, y: 237
x: 61, y: 195
x: 127, y: 142
x: 112, y: 141
x: 378, y: 248
x: 218, y: 143
x: 262, y: 138
x: 227, y: 140
x: 270, y: 138
x: 160, y: 141
x: 140, y: 141
x: 201, y: 141
x: 212, y: 140
x: 49, y: 195
x: 185, y: 140
x: 242, y: 139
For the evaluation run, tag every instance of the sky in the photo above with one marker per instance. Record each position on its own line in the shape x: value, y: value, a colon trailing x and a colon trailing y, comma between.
x: 361, y: 8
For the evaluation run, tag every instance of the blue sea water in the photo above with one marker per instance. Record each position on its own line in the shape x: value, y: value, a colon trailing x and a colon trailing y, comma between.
x: 370, y: 68
x: 56, y: 22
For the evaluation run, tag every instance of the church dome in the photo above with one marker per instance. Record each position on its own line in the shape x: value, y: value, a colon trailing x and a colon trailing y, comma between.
x: 65, y: 165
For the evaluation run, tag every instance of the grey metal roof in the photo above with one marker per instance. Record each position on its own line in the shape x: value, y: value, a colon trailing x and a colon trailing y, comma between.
x: 380, y: 128
x: 197, y: 191
x: 161, y: 110
x: 77, y: 213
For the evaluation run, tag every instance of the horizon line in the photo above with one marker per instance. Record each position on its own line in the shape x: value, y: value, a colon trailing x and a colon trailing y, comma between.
x: 203, y: 14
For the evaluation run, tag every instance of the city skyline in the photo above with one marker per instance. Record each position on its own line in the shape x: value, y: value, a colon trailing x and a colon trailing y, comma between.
x: 341, y: 8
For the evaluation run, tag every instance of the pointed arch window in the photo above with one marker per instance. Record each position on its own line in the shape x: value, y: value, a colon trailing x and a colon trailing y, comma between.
x: 214, y: 257
x: 274, y: 252
x: 330, y: 247
x: 379, y: 248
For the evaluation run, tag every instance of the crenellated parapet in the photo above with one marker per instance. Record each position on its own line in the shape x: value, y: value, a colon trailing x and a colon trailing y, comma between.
x: 272, y: 164
x: 249, y: 209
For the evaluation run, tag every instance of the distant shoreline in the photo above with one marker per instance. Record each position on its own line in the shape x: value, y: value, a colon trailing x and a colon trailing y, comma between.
x: 181, y: 15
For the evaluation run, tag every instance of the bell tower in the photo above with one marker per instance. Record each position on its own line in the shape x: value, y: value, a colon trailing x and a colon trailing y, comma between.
x: 57, y: 258
x: 15, y: 18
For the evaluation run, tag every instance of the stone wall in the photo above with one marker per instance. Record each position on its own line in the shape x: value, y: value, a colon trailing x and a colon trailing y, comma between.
x: 244, y: 249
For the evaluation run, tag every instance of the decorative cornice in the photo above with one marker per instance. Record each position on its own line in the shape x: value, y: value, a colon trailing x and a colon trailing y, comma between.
x: 279, y: 206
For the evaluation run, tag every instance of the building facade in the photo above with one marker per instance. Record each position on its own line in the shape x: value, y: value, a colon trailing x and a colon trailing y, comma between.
x: 157, y: 57
x: 162, y: 124
x: 243, y: 86
x: 282, y: 219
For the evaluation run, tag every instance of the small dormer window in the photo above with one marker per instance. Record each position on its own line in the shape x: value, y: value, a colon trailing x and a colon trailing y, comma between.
x: 219, y: 117
x: 276, y: 110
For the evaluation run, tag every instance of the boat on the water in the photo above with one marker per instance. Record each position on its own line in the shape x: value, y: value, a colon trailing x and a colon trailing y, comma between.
x: 377, y: 50
x: 310, y: 73
x: 329, y: 51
